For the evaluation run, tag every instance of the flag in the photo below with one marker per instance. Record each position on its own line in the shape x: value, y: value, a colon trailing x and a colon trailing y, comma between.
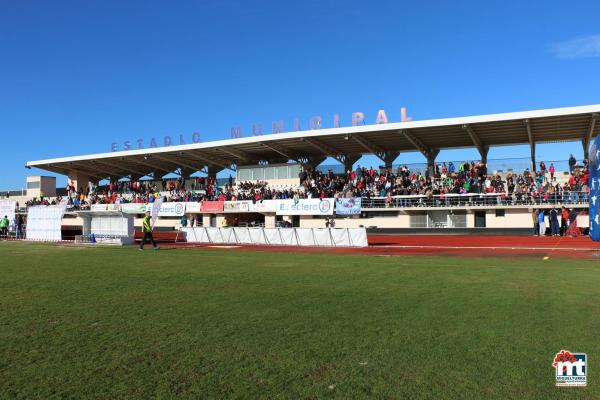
x: 155, y: 210
x: 594, y: 185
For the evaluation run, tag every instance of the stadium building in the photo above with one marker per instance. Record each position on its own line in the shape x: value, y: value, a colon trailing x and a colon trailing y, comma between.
x: 279, y: 159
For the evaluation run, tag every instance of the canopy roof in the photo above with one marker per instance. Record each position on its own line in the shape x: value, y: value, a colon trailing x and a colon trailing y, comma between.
x: 383, y: 140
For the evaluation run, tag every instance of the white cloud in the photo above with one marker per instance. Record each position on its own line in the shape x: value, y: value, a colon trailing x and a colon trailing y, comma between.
x: 581, y: 47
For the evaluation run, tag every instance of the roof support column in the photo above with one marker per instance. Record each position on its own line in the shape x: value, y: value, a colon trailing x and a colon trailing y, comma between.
x: 211, y: 171
x: 388, y: 158
x: 312, y: 161
x: 348, y: 160
x: 79, y: 180
x: 431, y: 155
x: 481, y: 147
x: 587, y: 139
x: 185, y: 173
x: 531, y: 144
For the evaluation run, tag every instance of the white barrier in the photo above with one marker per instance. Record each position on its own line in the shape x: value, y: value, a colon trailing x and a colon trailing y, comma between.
x: 326, y: 237
x: 44, y: 223
x: 107, y: 227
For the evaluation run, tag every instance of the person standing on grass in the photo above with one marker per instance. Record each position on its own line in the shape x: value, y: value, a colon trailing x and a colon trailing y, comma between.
x: 147, y: 231
x: 4, y: 227
x: 19, y: 226
x: 541, y: 223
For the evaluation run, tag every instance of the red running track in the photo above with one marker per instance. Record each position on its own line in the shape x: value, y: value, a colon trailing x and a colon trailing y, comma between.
x: 445, y: 245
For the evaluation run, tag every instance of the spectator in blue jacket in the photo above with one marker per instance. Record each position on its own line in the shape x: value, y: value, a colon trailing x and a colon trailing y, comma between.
x: 541, y: 222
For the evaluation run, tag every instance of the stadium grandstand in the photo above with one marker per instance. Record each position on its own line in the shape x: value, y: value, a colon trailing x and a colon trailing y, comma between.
x: 271, y: 169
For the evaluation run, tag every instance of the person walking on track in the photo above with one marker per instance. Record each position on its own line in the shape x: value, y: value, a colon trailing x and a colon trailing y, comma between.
x: 147, y: 231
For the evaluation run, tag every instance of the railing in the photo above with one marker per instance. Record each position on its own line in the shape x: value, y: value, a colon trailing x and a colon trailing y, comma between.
x: 459, y: 200
x: 15, y: 193
x: 477, y: 199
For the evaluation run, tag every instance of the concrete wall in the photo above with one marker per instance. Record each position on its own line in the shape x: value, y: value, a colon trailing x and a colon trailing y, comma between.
x: 513, y: 218
x: 395, y: 220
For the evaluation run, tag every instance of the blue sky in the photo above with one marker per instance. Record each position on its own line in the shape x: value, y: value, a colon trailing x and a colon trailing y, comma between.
x: 76, y: 76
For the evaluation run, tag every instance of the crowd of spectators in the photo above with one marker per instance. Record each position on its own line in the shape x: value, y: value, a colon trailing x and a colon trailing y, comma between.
x: 445, y: 179
x: 139, y: 192
x: 464, y: 178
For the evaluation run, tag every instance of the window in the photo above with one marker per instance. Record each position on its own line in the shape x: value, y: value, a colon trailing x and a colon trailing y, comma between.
x: 269, y: 173
x: 243, y: 174
x: 282, y: 172
x: 418, y: 221
x: 257, y: 174
x: 294, y: 170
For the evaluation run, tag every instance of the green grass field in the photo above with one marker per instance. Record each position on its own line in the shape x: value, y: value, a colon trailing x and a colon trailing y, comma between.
x: 115, y: 323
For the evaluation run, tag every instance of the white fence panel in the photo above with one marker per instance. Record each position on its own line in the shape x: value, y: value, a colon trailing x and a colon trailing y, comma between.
x: 273, y: 236
x: 340, y: 237
x: 44, y: 223
x: 288, y: 237
x: 322, y: 237
x: 214, y: 235
x: 305, y: 237
x: 243, y: 235
x: 228, y: 235
x: 358, y: 237
x: 257, y: 235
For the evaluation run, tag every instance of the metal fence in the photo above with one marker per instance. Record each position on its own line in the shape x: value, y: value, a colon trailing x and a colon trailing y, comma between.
x: 9, y: 193
x: 476, y: 199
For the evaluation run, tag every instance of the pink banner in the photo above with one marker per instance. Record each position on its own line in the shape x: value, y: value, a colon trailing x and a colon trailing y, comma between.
x: 212, y: 206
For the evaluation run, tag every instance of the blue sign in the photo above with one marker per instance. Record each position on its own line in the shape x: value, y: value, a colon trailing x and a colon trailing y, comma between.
x: 349, y: 206
x: 594, y: 185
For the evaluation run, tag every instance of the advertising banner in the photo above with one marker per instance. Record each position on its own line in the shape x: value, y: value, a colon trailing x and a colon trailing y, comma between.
x: 237, y: 206
x: 98, y: 207
x: 212, y: 206
x: 264, y: 206
x: 305, y: 207
x: 133, y: 208
x: 167, y: 209
x: 193, y: 207
x: 349, y: 206
x: 8, y: 207
x: 154, y: 209
x: 594, y: 185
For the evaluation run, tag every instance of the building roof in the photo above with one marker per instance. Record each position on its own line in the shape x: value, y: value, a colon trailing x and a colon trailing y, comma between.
x: 383, y: 140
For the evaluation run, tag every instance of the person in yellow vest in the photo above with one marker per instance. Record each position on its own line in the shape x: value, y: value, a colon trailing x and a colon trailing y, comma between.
x: 4, y: 223
x: 147, y: 231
